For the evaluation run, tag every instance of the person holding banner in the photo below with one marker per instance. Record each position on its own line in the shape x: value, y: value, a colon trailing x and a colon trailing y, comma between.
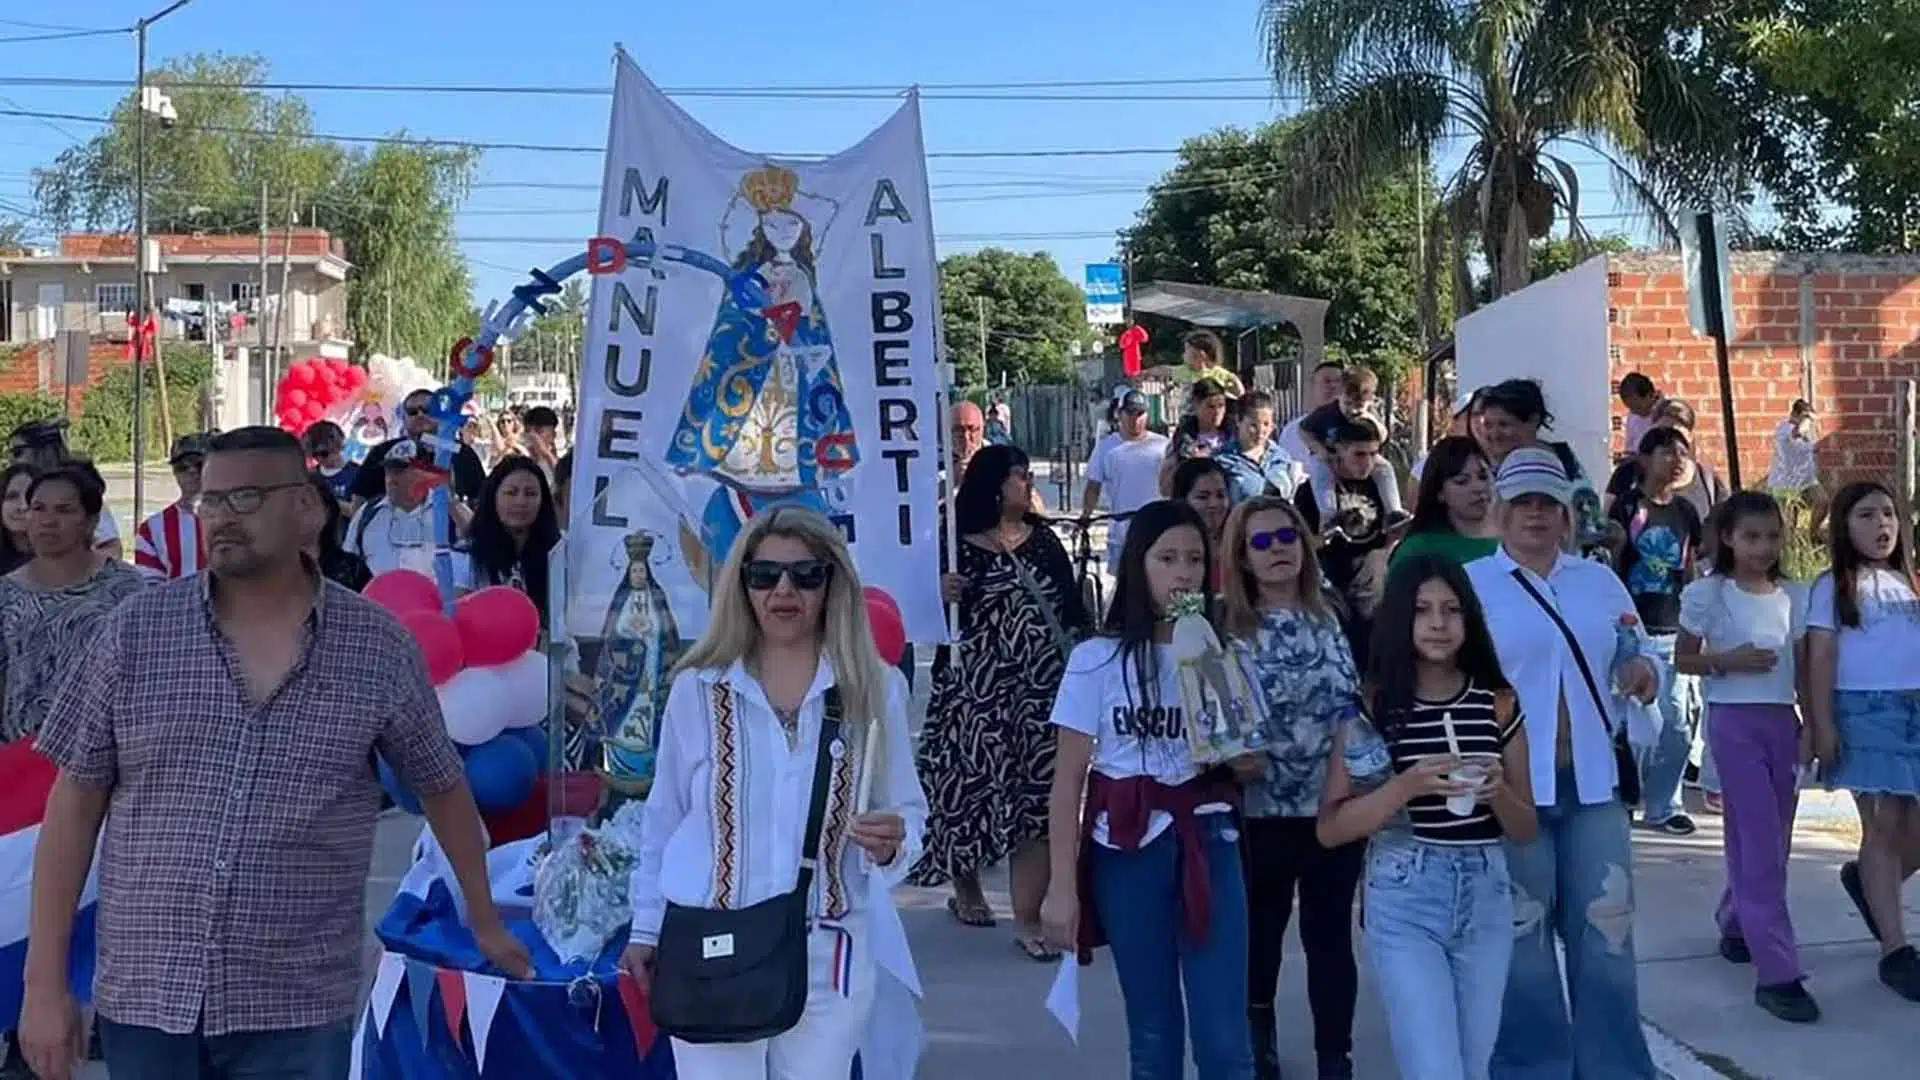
x: 784, y: 691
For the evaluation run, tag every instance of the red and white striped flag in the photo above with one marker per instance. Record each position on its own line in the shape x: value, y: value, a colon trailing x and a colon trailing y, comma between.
x: 170, y: 545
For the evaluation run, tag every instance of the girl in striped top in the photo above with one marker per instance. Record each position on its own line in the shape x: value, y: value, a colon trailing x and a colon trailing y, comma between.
x: 1436, y: 777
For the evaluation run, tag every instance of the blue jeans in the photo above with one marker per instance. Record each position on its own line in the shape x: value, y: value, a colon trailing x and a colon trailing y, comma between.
x: 1137, y: 895
x: 1574, y: 883
x: 1663, y: 768
x: 1439, y: 937
x: 139, y: 1053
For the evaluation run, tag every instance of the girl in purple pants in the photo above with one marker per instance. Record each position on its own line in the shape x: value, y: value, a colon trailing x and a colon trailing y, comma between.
x: 1743, y: 627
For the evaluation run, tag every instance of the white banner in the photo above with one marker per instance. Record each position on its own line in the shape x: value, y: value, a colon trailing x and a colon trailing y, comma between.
x: 780, y: 347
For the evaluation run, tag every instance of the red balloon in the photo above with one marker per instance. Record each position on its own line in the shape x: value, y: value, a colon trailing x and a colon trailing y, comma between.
x: 337, y: 365
x: 301, y: 375
x: 296, y: 399
x: 439, y: 642
x: 315, y: 412
x: 356, y: 377
x: 877, y: 595
x: 403, y: 590
x: 497, y: 625
x: 889, y: 632
x: 292, y: 421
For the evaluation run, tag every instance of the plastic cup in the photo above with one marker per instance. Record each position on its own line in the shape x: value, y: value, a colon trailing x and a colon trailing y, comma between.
x: 1474, y: 775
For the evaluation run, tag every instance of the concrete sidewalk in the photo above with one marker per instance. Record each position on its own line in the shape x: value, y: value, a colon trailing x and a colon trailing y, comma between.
x: 1705, y: 1005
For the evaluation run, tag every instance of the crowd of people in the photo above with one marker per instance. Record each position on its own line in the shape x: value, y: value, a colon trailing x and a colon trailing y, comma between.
x: 96, y: 650
x: 1469, y: 707
x: 1468, y: 685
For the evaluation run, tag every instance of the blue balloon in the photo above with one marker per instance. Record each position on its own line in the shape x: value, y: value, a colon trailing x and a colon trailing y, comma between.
x: 501, y: 772
x: 402, y: 798
x: 536, y: 739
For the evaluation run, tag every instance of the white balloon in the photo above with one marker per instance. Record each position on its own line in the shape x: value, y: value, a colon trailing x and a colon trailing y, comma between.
x: 523, y: 686
x: 475, y: 705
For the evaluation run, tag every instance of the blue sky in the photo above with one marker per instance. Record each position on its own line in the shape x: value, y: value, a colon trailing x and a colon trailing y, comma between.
x: 1068, y: 206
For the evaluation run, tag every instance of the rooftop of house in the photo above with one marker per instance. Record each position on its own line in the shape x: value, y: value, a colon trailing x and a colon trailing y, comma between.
x: 305, y: 246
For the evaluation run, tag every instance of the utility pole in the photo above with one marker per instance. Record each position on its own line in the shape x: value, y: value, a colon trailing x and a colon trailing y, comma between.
x: 387, y: 280
x: 260, y: 301
x: 980, y: 308
x: 142, y: 288
x: 280, y: 313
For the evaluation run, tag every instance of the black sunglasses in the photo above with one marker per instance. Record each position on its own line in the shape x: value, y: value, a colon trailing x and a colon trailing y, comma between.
x: 1261, y: 541
x: 763, y: 575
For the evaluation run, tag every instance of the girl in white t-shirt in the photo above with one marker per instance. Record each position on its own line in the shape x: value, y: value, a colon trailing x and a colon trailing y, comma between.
x: 1743, y: 628
x: 1151, y: 865
x: 1863, y: 701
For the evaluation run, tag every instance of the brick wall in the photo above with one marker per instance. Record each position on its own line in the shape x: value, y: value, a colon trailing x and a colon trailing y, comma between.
x: 1835, y: 329
x: 22, y: 373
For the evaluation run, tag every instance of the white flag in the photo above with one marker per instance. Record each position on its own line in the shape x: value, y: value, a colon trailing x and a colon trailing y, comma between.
x: 386, y: 987
x: 483, y: 1000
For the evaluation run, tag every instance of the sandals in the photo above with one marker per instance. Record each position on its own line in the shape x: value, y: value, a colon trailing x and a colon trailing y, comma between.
x: 974, y: 913
x: 1036, y: 948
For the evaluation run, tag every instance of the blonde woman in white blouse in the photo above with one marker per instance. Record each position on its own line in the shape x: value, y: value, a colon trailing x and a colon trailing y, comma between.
x: 737, y: 746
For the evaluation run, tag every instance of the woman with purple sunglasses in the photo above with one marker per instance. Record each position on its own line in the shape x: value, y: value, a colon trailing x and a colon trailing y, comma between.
x: 1283, y: 624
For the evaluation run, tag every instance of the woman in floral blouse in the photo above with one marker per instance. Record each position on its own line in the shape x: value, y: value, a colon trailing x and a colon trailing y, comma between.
x: 1285, y: 626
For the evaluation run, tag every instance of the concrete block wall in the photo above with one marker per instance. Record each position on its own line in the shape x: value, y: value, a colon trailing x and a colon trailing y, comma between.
x: 1838, y: 330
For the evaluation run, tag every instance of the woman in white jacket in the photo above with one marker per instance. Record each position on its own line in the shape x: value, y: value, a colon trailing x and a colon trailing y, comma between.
x: 737, y: 744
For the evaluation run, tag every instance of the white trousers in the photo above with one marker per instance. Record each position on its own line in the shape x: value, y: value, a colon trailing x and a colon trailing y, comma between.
x: 823, y: 1044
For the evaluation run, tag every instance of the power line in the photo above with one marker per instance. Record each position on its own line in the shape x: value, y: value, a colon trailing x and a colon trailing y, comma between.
x: 1108, y: 90
x: 64, y: 36
x: 550, y: 148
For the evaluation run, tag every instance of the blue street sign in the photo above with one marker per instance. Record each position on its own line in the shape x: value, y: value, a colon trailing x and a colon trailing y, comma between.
x: 1106, y: 290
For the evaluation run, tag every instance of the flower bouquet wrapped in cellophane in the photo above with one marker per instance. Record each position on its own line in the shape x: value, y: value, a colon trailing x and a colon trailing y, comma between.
x: 580, y: 886
x: 1225, y: 717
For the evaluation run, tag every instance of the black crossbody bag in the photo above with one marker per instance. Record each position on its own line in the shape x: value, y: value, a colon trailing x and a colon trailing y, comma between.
x: 1623, y: 759
x: 736, y: 976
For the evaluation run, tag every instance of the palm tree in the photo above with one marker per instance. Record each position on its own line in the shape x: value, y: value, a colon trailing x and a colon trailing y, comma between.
x: 1388, y: 81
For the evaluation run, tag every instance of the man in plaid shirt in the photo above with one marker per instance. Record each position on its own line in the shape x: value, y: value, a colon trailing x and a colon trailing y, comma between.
x: 223, y: 730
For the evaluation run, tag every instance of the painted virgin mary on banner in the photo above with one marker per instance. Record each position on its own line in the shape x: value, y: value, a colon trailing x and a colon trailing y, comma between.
x: 766, y: 416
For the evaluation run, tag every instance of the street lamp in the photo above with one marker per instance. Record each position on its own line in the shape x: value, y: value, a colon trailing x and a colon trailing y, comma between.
x: 143, y: 288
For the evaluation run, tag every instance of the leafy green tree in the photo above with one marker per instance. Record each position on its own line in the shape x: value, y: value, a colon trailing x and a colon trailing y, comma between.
x: 1559, y: 254
x: 13, y: 236
x: 1388, y: 82
x: 393, y: 205
x: 1825, y: 92
x: 1212, y: 220
x: 1033, y: 315
x: 552, y: 342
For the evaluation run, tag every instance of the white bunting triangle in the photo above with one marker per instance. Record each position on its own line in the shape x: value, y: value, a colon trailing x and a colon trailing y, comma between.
x: 386, y: 987
x: 357, y: 1058
x: 483, y: 1000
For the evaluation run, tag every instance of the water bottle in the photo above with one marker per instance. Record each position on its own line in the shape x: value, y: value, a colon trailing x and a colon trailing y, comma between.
x: 1643, y: 719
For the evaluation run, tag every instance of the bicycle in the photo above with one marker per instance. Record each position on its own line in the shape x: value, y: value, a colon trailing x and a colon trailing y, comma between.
x: 1093, y: 591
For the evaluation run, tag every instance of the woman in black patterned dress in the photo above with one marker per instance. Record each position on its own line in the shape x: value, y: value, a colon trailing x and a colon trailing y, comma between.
x: 986, y: 756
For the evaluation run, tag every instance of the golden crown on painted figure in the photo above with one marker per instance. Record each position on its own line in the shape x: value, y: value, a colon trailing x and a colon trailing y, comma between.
x: 770, y: 188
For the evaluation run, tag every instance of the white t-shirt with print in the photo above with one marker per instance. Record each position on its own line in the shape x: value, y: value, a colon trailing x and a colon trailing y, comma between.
x: 389, y: 538
x: 1880, y: 653
x: 1131, y: 737
x: 1725, y: 617
x: 1128, y: 472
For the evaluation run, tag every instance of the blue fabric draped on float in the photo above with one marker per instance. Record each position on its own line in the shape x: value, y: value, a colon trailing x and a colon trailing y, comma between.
x: 563, y: 1025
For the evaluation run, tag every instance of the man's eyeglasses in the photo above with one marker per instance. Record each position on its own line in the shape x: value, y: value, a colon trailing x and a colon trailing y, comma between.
x: 1261, y: 541
x: 241, y: 501
x: 808, y: 575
